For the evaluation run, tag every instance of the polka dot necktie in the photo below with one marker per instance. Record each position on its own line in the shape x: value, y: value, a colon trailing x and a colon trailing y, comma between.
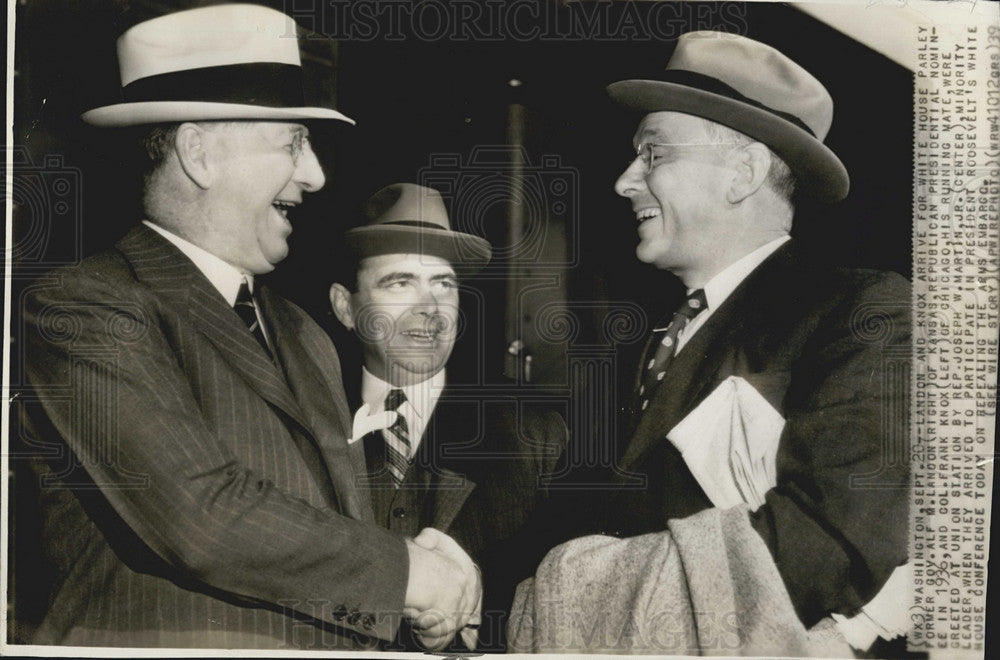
x: 397, y: 438
x: 655, y: 367
x: 246, y: 308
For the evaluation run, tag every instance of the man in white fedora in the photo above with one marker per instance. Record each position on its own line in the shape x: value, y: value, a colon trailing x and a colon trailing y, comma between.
x: 771, y: 386
x: 472, y: 466
x: 197, y: 481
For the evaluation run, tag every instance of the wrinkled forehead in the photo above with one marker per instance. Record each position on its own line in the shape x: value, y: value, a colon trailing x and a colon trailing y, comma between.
x: 670, y: 127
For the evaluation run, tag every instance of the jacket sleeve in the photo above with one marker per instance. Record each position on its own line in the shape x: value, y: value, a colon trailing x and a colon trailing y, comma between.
x: 111, y: 388
x: 836, y: 523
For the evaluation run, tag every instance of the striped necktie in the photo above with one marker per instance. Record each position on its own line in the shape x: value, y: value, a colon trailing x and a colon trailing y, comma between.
x: 397, y: 438
x: 246, y: 308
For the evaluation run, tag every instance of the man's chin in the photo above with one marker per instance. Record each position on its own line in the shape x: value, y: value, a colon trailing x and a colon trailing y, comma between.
x: 410, y: 370
x: 645, y: 255
x: 274, y: 256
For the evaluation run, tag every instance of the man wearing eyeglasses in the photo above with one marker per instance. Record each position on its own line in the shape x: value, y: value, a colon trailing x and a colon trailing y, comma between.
x: 767, y: 386
x: 198, y: 486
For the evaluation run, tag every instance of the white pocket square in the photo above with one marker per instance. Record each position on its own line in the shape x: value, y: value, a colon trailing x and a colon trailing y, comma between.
x: 366, y: 422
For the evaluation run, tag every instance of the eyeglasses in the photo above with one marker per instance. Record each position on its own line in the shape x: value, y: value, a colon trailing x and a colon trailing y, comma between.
x: 299, y: 142
x: 646, y: 152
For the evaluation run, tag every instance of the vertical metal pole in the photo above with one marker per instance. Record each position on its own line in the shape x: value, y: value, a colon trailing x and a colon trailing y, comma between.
x: 516, y: 350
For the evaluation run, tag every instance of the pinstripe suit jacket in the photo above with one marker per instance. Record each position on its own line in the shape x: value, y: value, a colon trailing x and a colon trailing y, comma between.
x: 194, y: 493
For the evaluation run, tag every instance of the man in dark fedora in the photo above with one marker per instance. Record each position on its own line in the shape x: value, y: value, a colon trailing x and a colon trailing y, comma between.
x: 726, y: 136
x: 452, y: 459
x: 197, y: 481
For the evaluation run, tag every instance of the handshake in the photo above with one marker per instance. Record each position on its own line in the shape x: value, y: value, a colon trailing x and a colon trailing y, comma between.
x: 444, y: 591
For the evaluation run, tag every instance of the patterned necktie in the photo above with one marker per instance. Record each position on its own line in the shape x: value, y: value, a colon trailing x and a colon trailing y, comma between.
x: 246, y: 307
x: 397, y: 438
x: 655, y: 367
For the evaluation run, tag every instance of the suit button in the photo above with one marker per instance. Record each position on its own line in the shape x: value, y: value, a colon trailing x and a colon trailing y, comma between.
x: 399, y: 512
x: 354, y: 617
x: 368, y: 622
x: 340, y: 613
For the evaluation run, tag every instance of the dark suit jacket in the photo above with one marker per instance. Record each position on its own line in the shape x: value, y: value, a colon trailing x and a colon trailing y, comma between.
x: 481, y: 470
x: 830, y: 350
x: 194, y: 493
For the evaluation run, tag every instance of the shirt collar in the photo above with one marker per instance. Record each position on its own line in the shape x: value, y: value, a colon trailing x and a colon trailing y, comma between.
x: 719, y: 287
x: 225, y: 277
x: 422, y: 396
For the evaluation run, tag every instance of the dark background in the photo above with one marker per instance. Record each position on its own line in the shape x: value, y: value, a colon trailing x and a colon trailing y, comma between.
x: 419, y: 96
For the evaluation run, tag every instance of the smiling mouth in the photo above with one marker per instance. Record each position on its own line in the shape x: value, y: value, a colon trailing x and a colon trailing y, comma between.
x: 283, y: 207
x: 423, y: 336
x: 645, y: 214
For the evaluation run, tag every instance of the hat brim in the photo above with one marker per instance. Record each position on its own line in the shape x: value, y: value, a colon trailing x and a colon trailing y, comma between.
x: 465, y: 252
x: 817, y: 169
x: 157, y: 112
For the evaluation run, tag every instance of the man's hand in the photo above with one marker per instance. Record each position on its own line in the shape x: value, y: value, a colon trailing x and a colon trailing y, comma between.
x: 433, y: 539
x: 444, y: 588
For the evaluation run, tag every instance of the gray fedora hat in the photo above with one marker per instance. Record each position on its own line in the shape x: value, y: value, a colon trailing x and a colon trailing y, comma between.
x: 754, y: 89
x: 404, y: 218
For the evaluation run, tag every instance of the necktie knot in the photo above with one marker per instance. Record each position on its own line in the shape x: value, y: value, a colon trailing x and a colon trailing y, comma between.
x: 244, y: 300
x: 246, y: 308
x: 693, y: 305
x: 394, y: 399
x: 696, y: 302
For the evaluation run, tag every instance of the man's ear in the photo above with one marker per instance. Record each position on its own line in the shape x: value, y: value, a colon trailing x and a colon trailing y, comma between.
x: 752, y: 165
x: 192, y: 153
x: 340, y: 301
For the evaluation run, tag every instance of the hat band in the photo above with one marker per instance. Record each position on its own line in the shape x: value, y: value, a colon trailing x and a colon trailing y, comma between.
x: 412, y: 223
x: 716, y: 86
x: 256, y: 83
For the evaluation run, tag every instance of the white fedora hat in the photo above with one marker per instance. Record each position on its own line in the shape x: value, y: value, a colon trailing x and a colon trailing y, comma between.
x: 754, y: 89
x: 235, y: 61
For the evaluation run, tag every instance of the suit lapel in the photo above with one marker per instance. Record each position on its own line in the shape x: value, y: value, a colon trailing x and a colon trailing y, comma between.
x: 178, y: 282
x: 449, y: 481
x: 714, y: 349
x: 686, y: 378
x: 312, y: 371
x: 187, y: 292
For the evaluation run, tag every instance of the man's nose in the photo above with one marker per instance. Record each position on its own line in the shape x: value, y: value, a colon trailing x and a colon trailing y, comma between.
x: 428, y: 301
x: 308, y: 172
x: 632, y: 180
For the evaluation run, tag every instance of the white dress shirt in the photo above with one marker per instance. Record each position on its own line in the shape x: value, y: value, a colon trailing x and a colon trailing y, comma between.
x: 225, y: 277
x: 724, y: 283
x: 421, y: 398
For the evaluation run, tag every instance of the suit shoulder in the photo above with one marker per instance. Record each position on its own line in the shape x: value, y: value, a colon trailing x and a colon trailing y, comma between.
x: 831, y: 288
x: 887, y: 283
x: 106, y: 275
x: 865, y: 290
